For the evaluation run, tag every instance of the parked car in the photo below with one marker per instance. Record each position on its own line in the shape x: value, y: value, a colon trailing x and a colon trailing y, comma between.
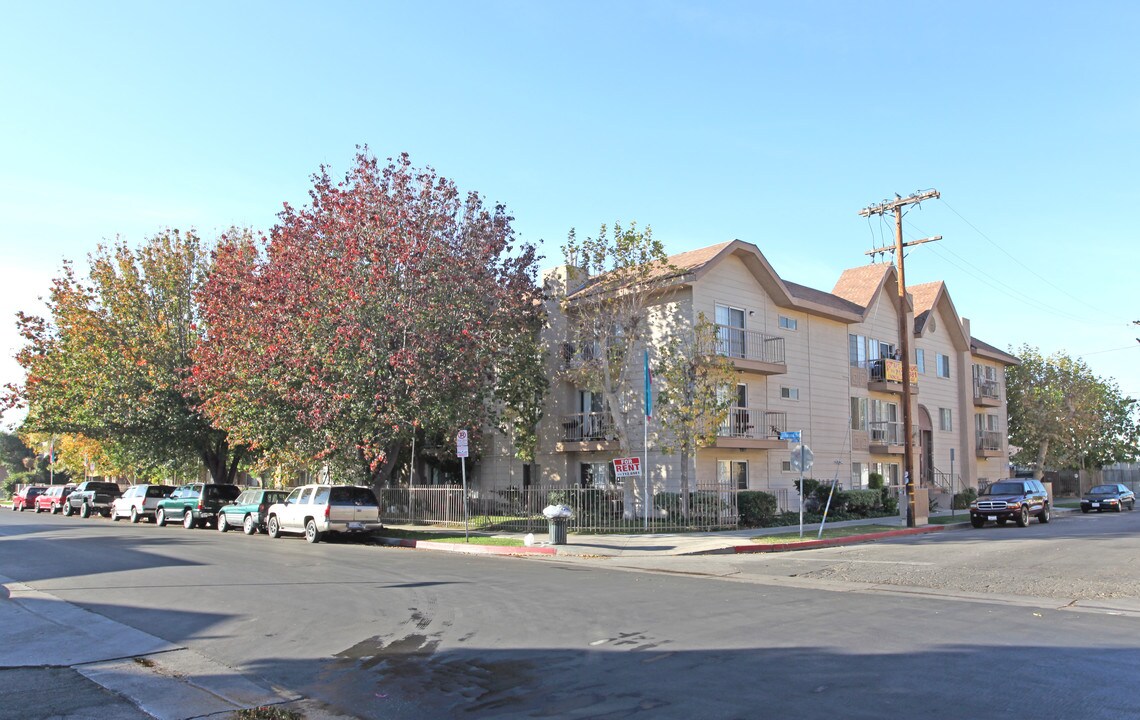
x: 91, y: 496
x: 250, y: 510
x: 195, y: 505
x: 139, y: 501
x: 26, y: 496
x: 51, y: 500
x: 1108, y: 497
x: 1016, y: 499
x: 315, y: 510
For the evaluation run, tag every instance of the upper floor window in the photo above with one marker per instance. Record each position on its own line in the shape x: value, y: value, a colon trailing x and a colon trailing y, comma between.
x: 920, y: 360
x: 857, y: 350
x: 790, y: 393
x: 945, y: 419
x: 943, y: 365
x: 788, y: 323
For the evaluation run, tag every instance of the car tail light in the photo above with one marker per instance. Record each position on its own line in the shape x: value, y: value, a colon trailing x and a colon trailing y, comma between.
x: 327, y: 512
x: 262, y: 508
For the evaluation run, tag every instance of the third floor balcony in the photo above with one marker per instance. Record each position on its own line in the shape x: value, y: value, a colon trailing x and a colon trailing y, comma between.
x: 987, y: 392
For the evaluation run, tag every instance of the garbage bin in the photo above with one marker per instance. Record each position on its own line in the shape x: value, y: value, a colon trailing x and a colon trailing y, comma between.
x: 557, y: 528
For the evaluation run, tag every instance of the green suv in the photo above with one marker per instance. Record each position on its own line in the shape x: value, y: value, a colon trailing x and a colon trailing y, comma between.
x: 249, y: 510
x: 195, y: 505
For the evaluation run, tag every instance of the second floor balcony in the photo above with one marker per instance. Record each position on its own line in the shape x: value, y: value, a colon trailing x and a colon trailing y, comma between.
x: 586, y: 432
x: 751, y: 351
x: 752, y: 428
x: 886, y: 437
x: 989, y: 443
x: 987, y: 392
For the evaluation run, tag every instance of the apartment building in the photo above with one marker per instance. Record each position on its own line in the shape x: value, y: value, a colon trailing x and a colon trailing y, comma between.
x: 824, y: 363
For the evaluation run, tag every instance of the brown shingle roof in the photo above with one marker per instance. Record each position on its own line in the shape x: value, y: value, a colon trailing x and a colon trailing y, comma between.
x: 803, y: 292
x: 859, y: 284
x: 985, y: 348
x: 924, y: 297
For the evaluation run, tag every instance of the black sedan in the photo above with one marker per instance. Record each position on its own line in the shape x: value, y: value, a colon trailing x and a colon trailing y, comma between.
x: 1108, y: 497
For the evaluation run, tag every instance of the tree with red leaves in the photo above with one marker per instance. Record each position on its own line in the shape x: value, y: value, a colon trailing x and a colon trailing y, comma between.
x: 392, y: 306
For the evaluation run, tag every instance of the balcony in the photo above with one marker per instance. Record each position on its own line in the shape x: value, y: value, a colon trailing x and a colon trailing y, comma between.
x: 587, y: 432
x: 576, y: 355
x: 987, y: 393
x: 752, y: 429
x: 886, y: 438
x: 988, y: 443
x: 751, y: 351
x: 886, y: 375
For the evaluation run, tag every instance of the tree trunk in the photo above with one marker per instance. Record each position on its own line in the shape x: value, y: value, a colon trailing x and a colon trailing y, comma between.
x: 1042, y: 451
x: 222, y: 462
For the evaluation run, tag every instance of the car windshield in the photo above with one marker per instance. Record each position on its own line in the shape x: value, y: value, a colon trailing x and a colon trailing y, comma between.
x: 1103, y: 490
x: 1004, y: 489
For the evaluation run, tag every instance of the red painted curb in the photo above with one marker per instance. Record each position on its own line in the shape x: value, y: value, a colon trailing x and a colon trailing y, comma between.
x: 850, y: 540
x: 466, y: 548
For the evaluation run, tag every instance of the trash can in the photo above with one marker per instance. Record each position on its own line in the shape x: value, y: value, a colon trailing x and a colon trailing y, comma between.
x: 557, y: 528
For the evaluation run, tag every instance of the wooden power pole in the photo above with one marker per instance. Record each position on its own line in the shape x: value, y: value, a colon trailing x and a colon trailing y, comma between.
x: 896, y: 206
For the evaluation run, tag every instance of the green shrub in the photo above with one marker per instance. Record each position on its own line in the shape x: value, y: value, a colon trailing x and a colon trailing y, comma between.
x: 875, y: 481
x: 890, y: 502
x: 757, y: 509
x: 963, y: 499
x: 863, y: 503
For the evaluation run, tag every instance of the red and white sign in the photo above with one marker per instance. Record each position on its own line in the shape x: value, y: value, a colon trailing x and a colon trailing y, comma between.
x: 461, y: 444
x: 627, y: 467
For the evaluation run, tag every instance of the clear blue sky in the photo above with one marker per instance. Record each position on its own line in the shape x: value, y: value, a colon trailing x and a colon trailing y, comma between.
x: 774, y: 123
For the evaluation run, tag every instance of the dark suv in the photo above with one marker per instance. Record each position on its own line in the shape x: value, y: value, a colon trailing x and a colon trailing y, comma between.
x: 195, y: 505
x: 1015, y: 499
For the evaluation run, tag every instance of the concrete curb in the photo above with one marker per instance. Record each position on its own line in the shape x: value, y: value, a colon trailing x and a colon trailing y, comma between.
x: 830, y: 542
x: 466, y: 548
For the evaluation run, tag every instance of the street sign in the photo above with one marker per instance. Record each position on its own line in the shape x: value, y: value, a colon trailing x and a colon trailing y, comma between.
x: 802, y: 458
x: 627, y: 467
x: 461, y: 444
x: 793, y: 435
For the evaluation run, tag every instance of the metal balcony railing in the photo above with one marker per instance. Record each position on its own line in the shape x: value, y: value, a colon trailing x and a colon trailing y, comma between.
x: 887, y: 370
x: 885, y: 432
x: 984, y: 388
x: 588, y: 427
x: 989, y: 440
x: 753, y: 423
x: 737, y: 342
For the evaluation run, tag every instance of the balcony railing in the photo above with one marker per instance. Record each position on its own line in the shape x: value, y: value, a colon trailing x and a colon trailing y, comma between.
x: 986, y: 389
x: 885, y: 432
x: 753, y: 423
x: 989, y: 440
x: 575, y: 355
x: 588, y: 427
x: 887, y: 370
x: 737, y: 342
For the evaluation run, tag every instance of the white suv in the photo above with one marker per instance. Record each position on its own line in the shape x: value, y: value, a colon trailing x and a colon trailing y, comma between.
x: 318, y: 509
x: 139, y: 501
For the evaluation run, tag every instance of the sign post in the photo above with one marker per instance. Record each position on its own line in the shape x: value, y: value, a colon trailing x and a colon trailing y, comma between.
x: 461, y: 453
x: 802, y: 458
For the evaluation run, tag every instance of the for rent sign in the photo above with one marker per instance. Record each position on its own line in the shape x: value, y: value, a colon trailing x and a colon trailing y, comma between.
x: 627, y: 467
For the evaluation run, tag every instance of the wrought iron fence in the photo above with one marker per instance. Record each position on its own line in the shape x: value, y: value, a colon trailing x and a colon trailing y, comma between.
x: 598, y: 510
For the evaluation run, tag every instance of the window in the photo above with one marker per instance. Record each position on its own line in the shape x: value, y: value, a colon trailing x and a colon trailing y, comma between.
x: 943, y: 365
x: 786, y: 466
x: 790, y: 393
x: 884, y: 422
x: 920, y: 360
x: 730, y: 331
x: 857, y: 350
x: 597, y: 475
x: 889, y: 471
x: 945, y: 419
x: 860, y: 473
x: 788, y: 323
x: 858, y: 412
x: 732, y: 473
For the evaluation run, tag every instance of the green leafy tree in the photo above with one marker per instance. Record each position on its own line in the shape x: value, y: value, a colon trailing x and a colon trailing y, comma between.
x: 616, y: 280
x: 112, y: 360
x: 1061, y: 415
x: 693, y: 401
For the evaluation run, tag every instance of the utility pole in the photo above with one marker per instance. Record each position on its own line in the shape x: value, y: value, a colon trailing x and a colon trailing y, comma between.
x: 896, y: 206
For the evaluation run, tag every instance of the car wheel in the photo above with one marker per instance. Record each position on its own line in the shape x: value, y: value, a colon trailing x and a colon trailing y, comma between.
x: 188, y: 520
x: 223, y: 525
x: 977, y: 521
x: 67, y: 509
x: 1085, y: 510
x: 273, y: 527
x: 114, y: 515
x: 248, y: 525
x: 312, y: 534
x: 14, y: 508
x: 1023, y: 517
x: 160, y: 517
x: 85, y: 511
x: 134, y: 515
x: 37, y: 509
x: 1045, y: 516
x: 1119, y: 507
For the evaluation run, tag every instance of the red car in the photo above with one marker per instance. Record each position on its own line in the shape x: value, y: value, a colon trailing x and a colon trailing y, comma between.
x: 51, y: 500
x: 26, y: 497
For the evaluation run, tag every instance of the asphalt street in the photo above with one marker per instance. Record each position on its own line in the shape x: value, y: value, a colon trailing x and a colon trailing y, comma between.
x: 981, y: 623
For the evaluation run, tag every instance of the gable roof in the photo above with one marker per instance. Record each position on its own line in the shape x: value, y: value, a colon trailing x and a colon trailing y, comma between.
x: 861, y: 284
x: 984, y: 349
